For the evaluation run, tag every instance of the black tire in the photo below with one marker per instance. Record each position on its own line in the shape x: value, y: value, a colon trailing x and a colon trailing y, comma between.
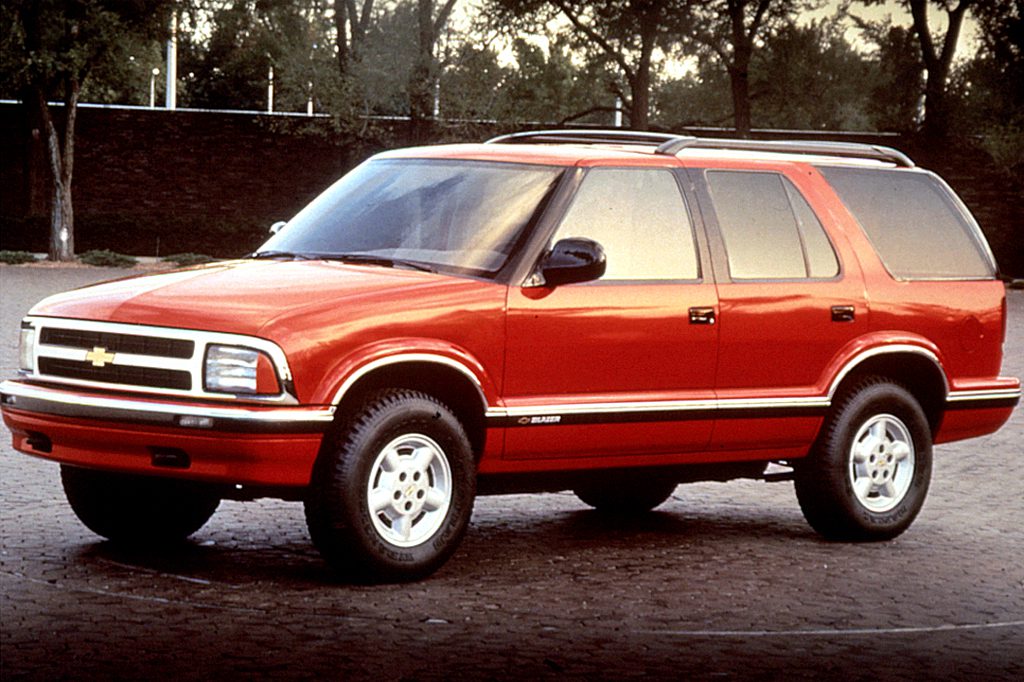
x: 423, y: 505
x: 867, y: 476
x: 141, y: 510
x: 625, y: 494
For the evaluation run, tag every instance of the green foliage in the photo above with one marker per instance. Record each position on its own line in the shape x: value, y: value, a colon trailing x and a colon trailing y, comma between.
x: 123, y: 75
x: 698, y: 99
x: 629, y: 39
x: 810, y: 78
x: 385, y: 61
x: 897, y: 77
x: 995, y: 81
x: 46, y: 43
x: 16, y: 257
x: 107, y: 259
x: 186, y: 259
x: 229, y: 69
x: 1005, y: 144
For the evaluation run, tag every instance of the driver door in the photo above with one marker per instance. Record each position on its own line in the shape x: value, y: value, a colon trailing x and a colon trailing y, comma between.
x: 622, y: 367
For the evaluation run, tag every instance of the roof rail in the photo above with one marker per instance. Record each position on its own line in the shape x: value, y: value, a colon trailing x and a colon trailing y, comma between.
x: 584, y: 136
x: 852, y: 150
x: 672, y: 144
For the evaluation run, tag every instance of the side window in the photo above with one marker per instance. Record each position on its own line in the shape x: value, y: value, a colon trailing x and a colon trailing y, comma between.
x: 916, y: 227
x: 770, y: 231
x: 639, y: 217
x: 821, y: 259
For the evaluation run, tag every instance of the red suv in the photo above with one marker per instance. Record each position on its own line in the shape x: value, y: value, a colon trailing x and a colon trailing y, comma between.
x: 609, y: 312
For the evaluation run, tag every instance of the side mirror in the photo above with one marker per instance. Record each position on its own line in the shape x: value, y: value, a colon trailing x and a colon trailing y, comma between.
x: 573, y: 260
x: 277, y: 227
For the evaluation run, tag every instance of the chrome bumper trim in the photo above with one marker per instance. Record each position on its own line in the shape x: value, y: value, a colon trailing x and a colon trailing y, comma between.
x: 982, y: 399
x: 200, y: 418
x: 999, y: 394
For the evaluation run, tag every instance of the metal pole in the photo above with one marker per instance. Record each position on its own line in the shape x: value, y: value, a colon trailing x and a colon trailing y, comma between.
x: 270, y: 89
x: 152, y: 87
x: 171, y: 99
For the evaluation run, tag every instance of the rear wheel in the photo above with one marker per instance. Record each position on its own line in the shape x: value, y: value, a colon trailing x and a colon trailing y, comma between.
x: 626, y: 494
x: 137, y: 509
x: 393, y: 491
x: 868, y: 474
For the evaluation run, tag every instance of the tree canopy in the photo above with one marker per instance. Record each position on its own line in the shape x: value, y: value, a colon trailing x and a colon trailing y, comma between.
x: 736, y: 63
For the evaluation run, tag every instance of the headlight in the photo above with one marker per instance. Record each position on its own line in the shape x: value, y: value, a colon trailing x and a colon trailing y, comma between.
x: 27, y: 347
x: 236, y: 369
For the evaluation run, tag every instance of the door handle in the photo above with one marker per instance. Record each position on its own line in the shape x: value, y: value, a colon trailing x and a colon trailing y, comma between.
x: 842, y: 313
x: 700, y: 315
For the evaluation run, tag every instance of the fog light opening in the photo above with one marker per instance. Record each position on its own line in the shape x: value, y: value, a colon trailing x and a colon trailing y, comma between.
x: 170, y: 458
x: 39, y: 442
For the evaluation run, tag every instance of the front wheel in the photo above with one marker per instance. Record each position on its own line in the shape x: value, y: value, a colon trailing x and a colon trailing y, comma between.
x: 867, y: 476
x: 142, y: 510
x: 393, y: 491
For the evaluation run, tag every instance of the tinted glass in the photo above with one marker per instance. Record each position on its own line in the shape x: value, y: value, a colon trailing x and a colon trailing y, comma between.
x: 821, y: 259
x: 639, y: 217
x: 761, y: 234
x: 913, y: 223
x: 460, y: 216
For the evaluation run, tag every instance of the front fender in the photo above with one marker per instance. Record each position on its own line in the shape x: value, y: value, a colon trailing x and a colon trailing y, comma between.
x: 349, y: 369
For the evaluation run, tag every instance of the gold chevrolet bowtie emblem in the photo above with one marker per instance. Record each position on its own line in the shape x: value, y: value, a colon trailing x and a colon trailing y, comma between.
x: 99, y: 357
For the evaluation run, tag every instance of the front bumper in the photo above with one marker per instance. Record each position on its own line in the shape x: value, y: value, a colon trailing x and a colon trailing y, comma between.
x: 233, y: 444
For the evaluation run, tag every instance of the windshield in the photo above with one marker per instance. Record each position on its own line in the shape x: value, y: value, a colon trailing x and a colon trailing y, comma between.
x: 448, y: 215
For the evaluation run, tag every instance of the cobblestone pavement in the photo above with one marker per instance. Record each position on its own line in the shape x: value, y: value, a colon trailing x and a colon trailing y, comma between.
x: 725, y: 581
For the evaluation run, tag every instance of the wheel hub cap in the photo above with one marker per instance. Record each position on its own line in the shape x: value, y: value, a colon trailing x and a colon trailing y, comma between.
x: 409, y: 490
x: 882, y: 463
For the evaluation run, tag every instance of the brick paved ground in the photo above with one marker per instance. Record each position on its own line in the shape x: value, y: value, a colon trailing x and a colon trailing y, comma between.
x: 725, y: 581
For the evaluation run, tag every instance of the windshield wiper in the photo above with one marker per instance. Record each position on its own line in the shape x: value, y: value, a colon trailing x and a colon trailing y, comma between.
x: 370, y: 259
x: 282, y: 254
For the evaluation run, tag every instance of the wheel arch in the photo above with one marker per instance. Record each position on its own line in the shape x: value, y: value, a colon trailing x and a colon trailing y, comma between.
x: 915, y: 368
x: 449, y: 381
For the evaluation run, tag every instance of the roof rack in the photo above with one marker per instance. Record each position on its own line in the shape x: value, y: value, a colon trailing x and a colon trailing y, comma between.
x: 584, y: 136
x: 670, y: 144
x: 852, y: 150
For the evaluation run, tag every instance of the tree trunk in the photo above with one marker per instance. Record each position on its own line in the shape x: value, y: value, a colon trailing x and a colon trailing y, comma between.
x: 640, y: 83
x: 739, y: 81
x: 61, y: 158
x: 340, y: 25
x: 937, y: 64
x: 62, y: 220
x: 421, y: 79
x: 936, y: 109
x: 640, y: 105
x: 739, y: 71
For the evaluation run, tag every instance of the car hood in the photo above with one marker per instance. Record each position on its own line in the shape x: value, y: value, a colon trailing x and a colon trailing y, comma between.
x: 250, y: 296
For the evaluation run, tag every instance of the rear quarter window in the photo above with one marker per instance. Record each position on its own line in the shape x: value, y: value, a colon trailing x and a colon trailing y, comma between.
x: 769, y: 230
x: 918, y: 228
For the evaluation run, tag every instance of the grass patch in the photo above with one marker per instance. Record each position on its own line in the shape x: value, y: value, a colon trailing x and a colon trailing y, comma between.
x: 16, y: 257
x: 186, y: 259
x: 105, y: 258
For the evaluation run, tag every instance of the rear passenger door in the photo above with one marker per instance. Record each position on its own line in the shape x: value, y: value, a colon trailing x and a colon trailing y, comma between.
x: 789, y: 301
x: 616, y: 368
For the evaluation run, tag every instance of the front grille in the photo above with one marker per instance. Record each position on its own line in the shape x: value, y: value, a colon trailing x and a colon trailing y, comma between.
x: 118, y: 343
x: 153, y: 377
x: 114, y: 356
